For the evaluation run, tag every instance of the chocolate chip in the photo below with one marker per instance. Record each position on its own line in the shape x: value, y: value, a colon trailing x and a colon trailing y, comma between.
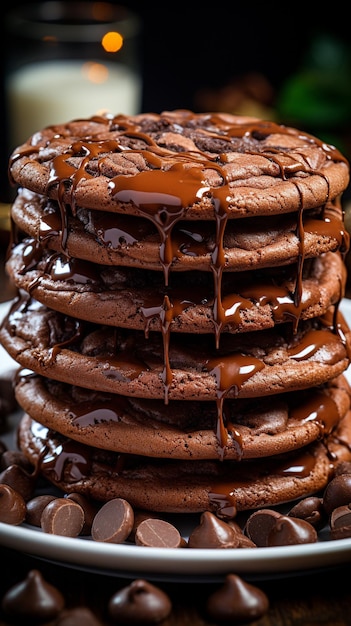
x: 337, y: 492
x: 340, y: 522
x: 19, y: 479
x: 243, y: 540
x: 33, y: 599
x: 237, y: 600
x: 113, y: 522
x: 290, y: 531
x: 140, y: 603
x: 157, y: 533
x: 35, y: 507
x: 213, y: 532
x: 12, y: 506
x: 89, y: 508
x: 62, y: 517
x: 310, y: 509
x: 259, y: 524
x: 139, y: 516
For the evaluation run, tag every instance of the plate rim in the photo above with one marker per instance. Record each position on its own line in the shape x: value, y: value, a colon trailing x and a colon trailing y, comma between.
x: 175, y: 561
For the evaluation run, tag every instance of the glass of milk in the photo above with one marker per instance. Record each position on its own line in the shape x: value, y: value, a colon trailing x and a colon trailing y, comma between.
x: 69, y: 60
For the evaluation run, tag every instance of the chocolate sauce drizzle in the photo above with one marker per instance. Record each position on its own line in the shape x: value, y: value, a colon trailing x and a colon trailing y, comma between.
x: 174, y: 180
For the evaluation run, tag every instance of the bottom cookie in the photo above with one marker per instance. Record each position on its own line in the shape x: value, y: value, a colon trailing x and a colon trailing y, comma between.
x: 172, y: 486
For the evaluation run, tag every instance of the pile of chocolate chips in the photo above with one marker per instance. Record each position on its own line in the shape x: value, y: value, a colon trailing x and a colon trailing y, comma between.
x: 74, y: 515
x: 34, y: 600
x: 115, y: 521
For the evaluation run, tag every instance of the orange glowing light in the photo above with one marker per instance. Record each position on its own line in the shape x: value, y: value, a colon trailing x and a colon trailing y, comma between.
x: 112, y: 41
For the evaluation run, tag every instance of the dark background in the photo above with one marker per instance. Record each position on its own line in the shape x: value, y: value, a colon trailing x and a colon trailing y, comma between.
x: 235, y: 56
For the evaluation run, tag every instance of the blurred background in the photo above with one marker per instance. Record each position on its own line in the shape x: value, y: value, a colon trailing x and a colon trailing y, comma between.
x: 259, y: 59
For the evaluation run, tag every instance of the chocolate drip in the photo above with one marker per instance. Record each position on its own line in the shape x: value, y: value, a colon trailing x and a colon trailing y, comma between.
x: 301, y: 258
x: 320, y: 408
x: 330, y: 223
x: 222, y: 494
x: 313, y: 341
x: 52, y: 224
x: 230, y: 373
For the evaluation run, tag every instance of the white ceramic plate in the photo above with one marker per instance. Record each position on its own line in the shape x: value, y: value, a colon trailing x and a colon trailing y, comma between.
x: 173, y: 564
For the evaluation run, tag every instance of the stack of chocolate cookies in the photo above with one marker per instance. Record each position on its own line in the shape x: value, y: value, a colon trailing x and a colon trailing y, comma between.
x: 177, y: 322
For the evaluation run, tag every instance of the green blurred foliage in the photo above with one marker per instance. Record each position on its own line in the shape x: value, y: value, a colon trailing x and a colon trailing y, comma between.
x: 317, y: 98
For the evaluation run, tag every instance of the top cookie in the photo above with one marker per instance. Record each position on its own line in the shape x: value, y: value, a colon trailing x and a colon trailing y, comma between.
x: 180, y: 165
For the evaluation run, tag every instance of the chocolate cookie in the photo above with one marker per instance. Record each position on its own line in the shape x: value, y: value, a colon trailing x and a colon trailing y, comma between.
x: 189, y: 367
x: 127, y: 240
x: 132, y: 298
x: 169, y: 485
x: 181, y: 163
x: 185, y: 430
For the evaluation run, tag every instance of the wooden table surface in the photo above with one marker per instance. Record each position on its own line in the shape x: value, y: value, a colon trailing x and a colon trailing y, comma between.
x: 319, y: 598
